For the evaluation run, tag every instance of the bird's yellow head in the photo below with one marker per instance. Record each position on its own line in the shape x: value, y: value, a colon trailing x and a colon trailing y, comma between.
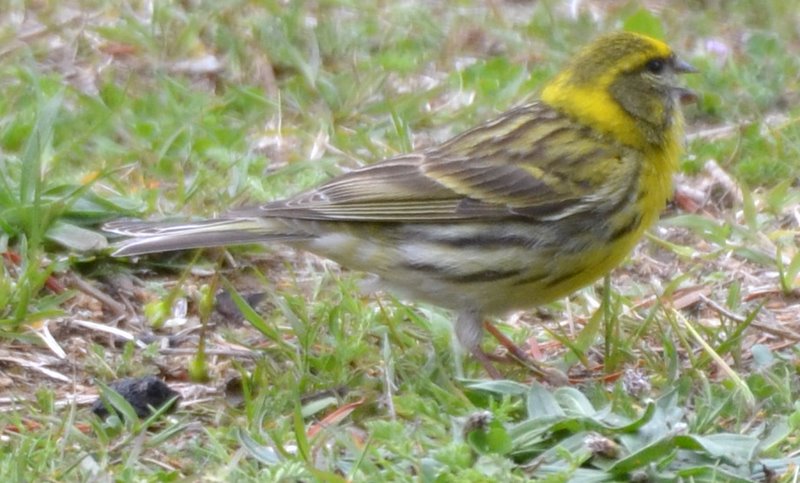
x: 626, y: 85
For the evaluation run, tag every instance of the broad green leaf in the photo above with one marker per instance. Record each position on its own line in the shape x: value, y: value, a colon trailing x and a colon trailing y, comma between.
x: 736, y: 448
x: 76, y: 238
x: 574, y: 402
x: 492, y: 439
x: 542, y: 404
x: 264, y: 454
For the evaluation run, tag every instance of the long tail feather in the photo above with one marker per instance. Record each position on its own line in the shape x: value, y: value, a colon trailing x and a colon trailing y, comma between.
x: 153, y: 237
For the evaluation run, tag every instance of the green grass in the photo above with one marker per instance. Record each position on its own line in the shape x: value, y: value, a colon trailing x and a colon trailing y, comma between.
x: 104, y: 114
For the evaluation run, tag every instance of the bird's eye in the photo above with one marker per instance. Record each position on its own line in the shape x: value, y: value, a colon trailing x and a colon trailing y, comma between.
x: 656, y: 66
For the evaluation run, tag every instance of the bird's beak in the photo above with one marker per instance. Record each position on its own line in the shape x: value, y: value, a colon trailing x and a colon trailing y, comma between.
x: 682, y: 67
x: 685, y: 96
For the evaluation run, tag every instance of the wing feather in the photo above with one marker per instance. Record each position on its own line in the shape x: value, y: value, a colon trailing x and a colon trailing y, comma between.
x: 523, y: 166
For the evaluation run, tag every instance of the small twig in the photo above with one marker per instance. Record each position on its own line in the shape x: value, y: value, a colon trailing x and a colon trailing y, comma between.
x: 92, y: 291
x: 50, y: 341
x: 37, y: 367
x: 780, y: 333
x: 211, y: 352
x: 722, y: 310
x: 17, y: 403
x: 728, y: 130
x: 777, y: 332
x: 109, y: 329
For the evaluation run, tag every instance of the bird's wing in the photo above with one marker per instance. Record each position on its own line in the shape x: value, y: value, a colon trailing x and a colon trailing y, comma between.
x: 530, y: 162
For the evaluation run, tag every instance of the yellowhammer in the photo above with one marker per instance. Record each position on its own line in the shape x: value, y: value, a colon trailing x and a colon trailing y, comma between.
x: 516, y: 212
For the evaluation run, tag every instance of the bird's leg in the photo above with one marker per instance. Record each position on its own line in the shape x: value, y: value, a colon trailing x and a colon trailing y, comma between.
x: 486, y: 362
x: 552, y: 375
x: 504, y: 341
x: 469, y: 332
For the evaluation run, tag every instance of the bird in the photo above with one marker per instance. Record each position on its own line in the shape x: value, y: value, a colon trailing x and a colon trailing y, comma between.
x: 516, y: 212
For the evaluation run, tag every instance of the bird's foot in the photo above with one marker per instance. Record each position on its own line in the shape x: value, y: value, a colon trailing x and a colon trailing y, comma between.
x: 486, y: 361
x: 520, y: 357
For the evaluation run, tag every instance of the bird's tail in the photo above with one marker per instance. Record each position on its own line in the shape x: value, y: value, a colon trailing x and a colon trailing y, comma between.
x: 154, y: 237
